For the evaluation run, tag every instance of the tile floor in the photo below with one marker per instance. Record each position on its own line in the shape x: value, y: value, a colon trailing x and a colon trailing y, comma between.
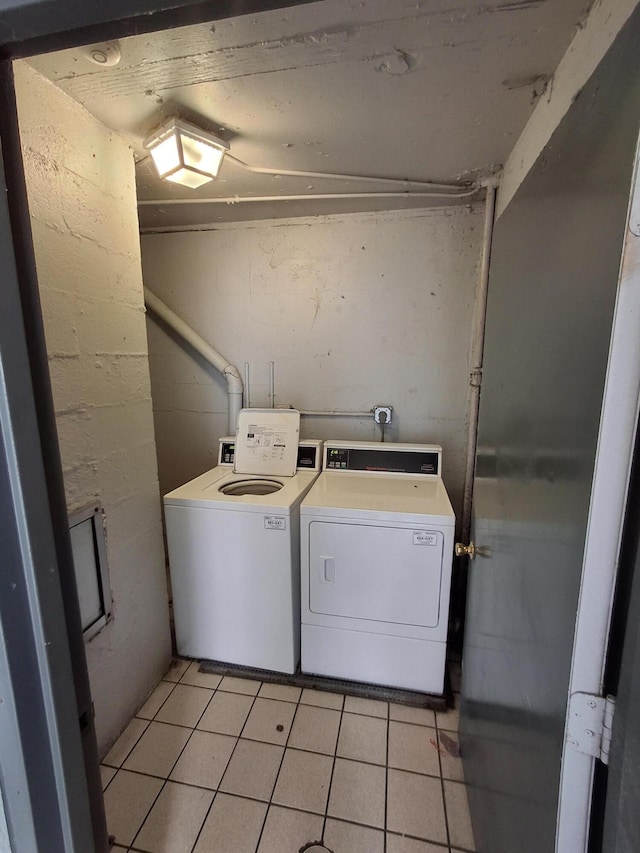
x: 231, y: 765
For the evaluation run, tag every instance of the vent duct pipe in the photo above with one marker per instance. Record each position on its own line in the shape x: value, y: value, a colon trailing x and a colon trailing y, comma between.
x: 235, y: 388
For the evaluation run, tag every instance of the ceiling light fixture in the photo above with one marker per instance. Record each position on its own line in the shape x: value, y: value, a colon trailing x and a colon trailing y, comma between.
x: 185, y: 154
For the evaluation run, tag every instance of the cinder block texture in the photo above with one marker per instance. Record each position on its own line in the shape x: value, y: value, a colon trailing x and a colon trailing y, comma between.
x: 82, y: 199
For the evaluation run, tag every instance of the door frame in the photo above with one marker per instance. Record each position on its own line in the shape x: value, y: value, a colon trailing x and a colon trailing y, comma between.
x: 614, y: 458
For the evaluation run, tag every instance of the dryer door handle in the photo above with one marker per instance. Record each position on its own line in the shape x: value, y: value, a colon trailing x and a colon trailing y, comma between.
x: 328, y: 569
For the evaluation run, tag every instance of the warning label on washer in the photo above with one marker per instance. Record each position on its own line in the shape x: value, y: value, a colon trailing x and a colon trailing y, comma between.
x: 265, y: 442
x: 275, y: 522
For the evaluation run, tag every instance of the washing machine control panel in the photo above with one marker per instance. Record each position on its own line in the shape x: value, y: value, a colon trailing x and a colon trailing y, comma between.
x: 309, y: 457
x: 227, y: 452
x: 308, y: 454
x: 384, y: 460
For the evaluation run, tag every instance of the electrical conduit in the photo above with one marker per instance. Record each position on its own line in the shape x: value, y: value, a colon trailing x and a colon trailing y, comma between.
x: 477, y: 351
x: 235, y: 388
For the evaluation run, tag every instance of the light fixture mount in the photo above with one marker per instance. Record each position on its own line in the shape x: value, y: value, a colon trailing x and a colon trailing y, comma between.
x: 185, y: 154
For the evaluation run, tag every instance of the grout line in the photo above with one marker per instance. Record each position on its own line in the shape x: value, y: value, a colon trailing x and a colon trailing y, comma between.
x: 149, y: 810
x: 386, y: 766
x: 199, y: 832
x: 166, y: 778
x: 162, y: 681
x: 444, y: 797
x: 275, y: 781
x: 120, y: 766
x: 386, y: 783
x: 437, y: 844
x: 104, y: 790
x: 410, y: 723
x: 244, y: 725
x: 333, y: 769
x: 217, y: 790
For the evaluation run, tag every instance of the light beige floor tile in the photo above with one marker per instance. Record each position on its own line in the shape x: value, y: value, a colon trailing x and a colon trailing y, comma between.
x: 252, y: 770
x: 358, y: 792
x: 204, y: 759
x: 460, y: 830
x: 450, y: 760
x: 174, y: 822
x: 177, y: 668
x: 125, y: 743
x: 117, y: 847
x: 322, y: 699
x: 303, y: 781
x: 449, y: 719
x: 155, y: 700
x: 400, y: 844
x: 158, y: 749
x: 270, y: 721
x: 195, y: 678
x: 343, y: 837
x: 226, y: 713
x: 315, y: 729
x: 415, y: 806
x: 284, y: 692
x: 232, y: 826
x: 363, y: 739
x: 185, y: 706
x: 127, y: 801
x: 407, y: 714
x: 413, y: 748
x: 106, y: 775
x: 240, y: 685
x: 286, y: 829
x: 370, y: 707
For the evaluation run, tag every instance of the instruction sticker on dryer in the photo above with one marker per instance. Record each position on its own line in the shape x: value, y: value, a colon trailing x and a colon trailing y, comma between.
x: 275, y: 522
x: 422, y: 538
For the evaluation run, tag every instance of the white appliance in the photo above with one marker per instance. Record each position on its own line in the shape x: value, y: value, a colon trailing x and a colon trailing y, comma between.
x: 234, y: 546
x: 377, y: 533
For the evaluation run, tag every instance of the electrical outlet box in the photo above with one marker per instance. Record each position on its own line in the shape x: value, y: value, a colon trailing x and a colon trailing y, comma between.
x: 377, y: 410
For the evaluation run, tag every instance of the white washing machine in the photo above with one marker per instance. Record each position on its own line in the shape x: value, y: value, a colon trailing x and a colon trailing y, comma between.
x: 234, y: 546
x: 377, y: 534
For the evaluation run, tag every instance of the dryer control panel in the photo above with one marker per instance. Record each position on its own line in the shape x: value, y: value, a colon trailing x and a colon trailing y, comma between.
x: 378, y: 458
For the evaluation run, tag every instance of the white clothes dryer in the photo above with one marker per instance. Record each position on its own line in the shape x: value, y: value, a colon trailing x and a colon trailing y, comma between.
x: 377, y: 534
x: 234, y: 546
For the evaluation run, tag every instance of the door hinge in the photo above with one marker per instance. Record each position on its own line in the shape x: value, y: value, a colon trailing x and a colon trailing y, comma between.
x: 590, y: 723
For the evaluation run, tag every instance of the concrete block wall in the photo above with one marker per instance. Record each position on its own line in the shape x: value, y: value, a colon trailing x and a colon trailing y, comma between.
x: 81, y: 188
x: 354, y: 310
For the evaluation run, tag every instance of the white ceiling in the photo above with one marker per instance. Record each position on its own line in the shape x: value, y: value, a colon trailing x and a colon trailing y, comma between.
x: 430, y: 90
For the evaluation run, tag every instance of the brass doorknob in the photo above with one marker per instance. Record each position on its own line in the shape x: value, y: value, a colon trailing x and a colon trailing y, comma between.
x: 465, y: 550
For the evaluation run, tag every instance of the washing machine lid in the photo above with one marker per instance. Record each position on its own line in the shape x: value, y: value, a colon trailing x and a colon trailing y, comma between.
x: 222, y: 489
x: 267, y: 442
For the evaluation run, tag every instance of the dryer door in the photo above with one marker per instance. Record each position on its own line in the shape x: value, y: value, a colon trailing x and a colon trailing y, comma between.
x: 378, y: 573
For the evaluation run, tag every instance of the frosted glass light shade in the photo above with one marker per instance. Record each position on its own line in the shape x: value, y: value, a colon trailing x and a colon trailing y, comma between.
x: 184, y: 154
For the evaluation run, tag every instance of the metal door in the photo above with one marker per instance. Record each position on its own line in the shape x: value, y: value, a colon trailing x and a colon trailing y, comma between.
x: 552, y: 291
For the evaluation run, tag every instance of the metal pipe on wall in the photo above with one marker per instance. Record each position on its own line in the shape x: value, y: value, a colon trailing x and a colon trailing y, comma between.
x: 369, y: 179
x: 477, y: 350
x: 235, y: 388
x: 236, y: 199
x: 318, y: 414
x: 272, y: 384
x: 247, y: 387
